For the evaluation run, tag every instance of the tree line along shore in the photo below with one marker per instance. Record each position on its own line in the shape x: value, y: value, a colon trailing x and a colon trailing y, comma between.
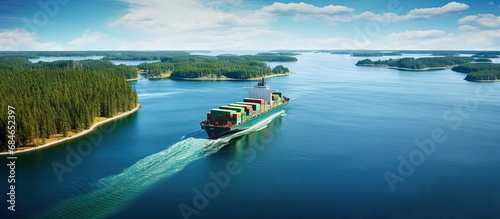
x: 477, y: 69
x: 222, y: 67
x: 183, y: 65
x: 52, y: 100
x: 56, y: 100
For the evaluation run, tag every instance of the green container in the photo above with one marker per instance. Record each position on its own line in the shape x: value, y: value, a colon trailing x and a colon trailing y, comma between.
x: 255, y: 106
x: 222, y: 112
x: 237, y: 109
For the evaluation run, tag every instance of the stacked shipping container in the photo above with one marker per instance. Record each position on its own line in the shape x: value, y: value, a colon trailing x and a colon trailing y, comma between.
x: 238, y: 112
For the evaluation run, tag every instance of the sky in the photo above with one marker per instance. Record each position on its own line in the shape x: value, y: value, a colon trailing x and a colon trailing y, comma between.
x: 249, y: 25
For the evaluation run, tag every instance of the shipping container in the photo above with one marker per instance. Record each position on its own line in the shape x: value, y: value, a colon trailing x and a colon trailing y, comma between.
x: 221, y: 111
x: 248, y: 108
x: 254, y: 100
x: 236, y: 108
x: 241, y: 105
x: 255, y: 106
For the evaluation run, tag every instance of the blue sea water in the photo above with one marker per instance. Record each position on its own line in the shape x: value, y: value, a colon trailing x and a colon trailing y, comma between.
x: 346, y: 147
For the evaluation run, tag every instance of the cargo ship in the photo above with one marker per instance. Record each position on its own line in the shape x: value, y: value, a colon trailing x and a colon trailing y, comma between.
x: 262, y: 102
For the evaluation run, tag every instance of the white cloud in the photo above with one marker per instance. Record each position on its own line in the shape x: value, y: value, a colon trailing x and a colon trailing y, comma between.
x: 416, y: 34
x: 406, y: 40
x: 194, y: 24
x: 330, y: 14
x: 385, y: 17
x: 88, y: 39
x: 158, y: 16
x: 479, y: 22
x: 18, y: 39
x: 449, y: 8
x: 304, y: 8
x: 438, y: 40
x: 333, y: 14
x: 228, y: 24
x: 241, y: 39
x: 415, y: 14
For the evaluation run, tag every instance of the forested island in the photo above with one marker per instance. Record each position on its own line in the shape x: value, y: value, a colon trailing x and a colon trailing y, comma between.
x: 479, y: 71
x: 483, y: 60
x: 420, y: 64
x: 375, y: 54
x: 476, y: 71
x: 108, y: 55
x: 53, y: 100
x: 143, y: 56
x: 222, y: 67
x: 487, y: 54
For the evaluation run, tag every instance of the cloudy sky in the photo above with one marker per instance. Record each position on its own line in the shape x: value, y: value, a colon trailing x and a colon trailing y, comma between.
x: 248, y: 24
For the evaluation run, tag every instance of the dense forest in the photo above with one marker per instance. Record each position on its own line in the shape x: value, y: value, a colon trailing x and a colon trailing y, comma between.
x: 128, y: 72
x: 228, y: 66
x: 417, y: 64
x: 479, y: 71
x: 59, y: 97
x: 156, y: 69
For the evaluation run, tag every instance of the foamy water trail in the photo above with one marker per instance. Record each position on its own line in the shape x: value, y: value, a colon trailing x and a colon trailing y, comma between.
x: 114, y: 192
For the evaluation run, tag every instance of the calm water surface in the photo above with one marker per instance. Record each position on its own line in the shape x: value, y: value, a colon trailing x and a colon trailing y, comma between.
x: 344, y: 148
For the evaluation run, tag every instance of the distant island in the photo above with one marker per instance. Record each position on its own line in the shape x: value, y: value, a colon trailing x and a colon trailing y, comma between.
x: 445, y: 53
x: 222, y: 67
x: 487, y: 54
x: 479, y: 71
x: 141, y: 56
x: 55, y: 101
x: 180, y: 65
x: 420, y: 64
x: 375, y: 54
x: 107, y: 55
x: 476, y: 71
x: 483, y: 60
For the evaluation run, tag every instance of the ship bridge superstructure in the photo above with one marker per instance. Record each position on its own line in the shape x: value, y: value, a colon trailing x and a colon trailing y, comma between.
x: 261, y: 91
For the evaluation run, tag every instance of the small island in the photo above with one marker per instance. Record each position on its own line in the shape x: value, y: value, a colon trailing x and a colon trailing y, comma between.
x: 487, y: 55
x: 483, y: 60
x: 480, y: 72
x: 477, y: 69
x: 420, y: 64
x: 445, y: 53
x: 141, y: 55
x: 222, y: 67
x: 375, y: 54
